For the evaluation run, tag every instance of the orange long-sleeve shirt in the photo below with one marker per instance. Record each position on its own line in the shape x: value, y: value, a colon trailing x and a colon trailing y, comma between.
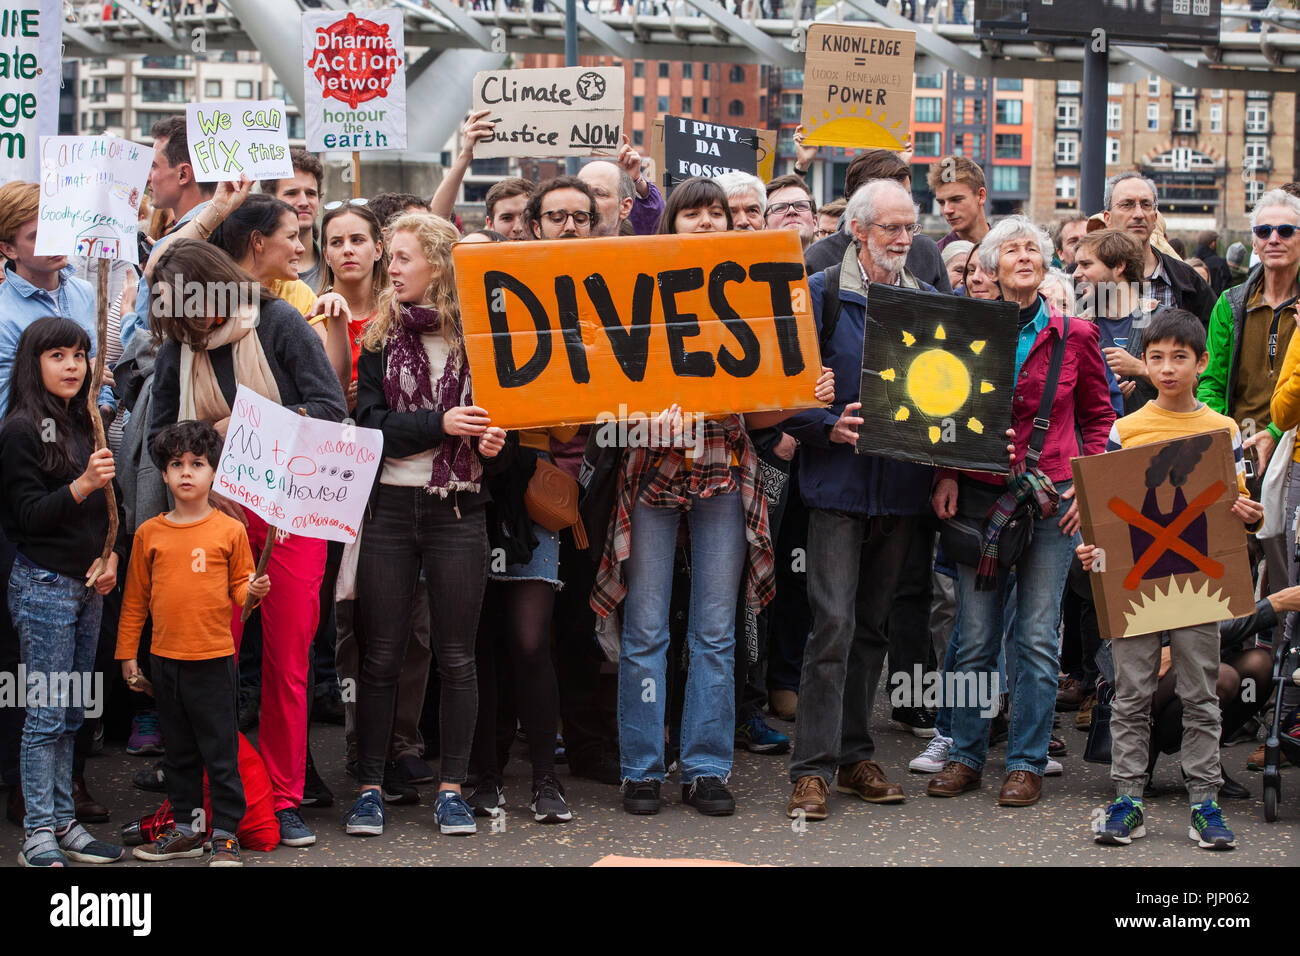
x: 186, y: 576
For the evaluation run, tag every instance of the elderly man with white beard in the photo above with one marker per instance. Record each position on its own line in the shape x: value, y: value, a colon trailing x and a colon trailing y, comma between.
x: 862, y: 516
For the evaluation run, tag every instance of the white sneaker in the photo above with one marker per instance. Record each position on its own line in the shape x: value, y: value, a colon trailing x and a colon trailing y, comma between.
x: 934, y: 756
x: 1054, y: 768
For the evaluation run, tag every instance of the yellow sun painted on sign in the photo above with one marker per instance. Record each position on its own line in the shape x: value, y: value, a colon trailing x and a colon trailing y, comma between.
x: 938, y: 384
x: 871, y: 130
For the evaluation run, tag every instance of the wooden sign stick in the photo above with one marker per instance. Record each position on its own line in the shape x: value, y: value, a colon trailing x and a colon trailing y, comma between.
x: 356, y: 174
x: 97, y: 423
x: 265, y: 557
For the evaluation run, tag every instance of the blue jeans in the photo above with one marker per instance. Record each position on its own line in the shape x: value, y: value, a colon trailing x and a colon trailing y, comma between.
x: 718, y: 549
x: 57, y: 619
x: 1032, y: 650
x: 1006, y: 671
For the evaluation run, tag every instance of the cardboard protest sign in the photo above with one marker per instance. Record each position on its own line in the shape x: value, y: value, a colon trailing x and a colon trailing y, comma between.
x: 937, y: 378
x: 354, y: 80
x: 90, y: 196
x: 562, y: 333
x: 31, y: 37
x: 569, y: 111
x: 857, y: 86
x: 766, y: 155
x: 239, y: 137
x: 301, y: 475
x: 1172, y: 553
x: 698, y: 148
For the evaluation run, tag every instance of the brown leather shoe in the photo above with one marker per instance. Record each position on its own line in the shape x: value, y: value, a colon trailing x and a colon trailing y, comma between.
x: 1083, y: 719
x: 1020, y: 789
x: 954, y: 779
x: 869, y: 782
x: 1071, y: 695
x: 783, y: 704
x: 89, y: 810
x: 809, y: 799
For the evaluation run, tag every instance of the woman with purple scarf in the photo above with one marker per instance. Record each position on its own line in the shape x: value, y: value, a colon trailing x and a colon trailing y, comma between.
x: 427, y: 511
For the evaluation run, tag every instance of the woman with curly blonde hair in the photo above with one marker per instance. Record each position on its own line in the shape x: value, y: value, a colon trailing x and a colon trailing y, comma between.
x: 427, y: 511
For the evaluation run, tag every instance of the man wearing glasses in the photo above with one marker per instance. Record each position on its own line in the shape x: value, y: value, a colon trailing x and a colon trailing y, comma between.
x: 1131, y: 205
x: 790, y: 206
x: 562, y: 208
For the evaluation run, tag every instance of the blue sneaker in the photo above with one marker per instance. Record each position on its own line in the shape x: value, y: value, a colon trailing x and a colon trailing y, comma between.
x: 756, y: 736
x: 366, y: 818
x: 1208, y: 829
x: 293, y: 832
x: 453, y: 813
x: 1123, y: 822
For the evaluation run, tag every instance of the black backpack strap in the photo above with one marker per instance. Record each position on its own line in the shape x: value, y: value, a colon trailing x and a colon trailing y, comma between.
x: 1038, y: 437
x: 830, y: 307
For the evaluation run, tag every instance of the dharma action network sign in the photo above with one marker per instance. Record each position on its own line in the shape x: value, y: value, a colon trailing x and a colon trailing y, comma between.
x: 354, y: 80
x: 300, y: 475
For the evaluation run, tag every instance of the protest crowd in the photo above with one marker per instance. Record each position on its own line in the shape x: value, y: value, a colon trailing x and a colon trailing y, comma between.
x: 459, y: 622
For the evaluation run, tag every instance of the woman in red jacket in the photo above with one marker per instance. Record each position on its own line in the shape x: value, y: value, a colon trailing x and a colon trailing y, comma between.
x: 1016, y: 251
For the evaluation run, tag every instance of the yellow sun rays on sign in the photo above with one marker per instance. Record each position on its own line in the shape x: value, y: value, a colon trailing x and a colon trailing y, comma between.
x: 860, y: 132
x: 938, y: 383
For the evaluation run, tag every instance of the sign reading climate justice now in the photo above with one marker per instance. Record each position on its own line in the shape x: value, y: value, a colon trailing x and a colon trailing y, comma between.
x: 239, y: 137
x: 302, y: 475
x: 90, y: 196
x: 31, y: 34
x: 569, y: 111
x: 354, y: 80
x: 558, y: 333
x: 857, y: 86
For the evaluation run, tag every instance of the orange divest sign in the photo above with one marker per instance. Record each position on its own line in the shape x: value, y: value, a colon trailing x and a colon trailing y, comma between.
x: 572, y: 331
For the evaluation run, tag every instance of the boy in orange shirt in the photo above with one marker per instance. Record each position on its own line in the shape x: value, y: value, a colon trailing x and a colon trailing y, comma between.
x: 187, y: 567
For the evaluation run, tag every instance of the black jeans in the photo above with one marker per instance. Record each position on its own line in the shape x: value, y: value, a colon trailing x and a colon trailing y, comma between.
x: 909, y: 618
x: 789, y: 616
x: 198, y: 711
x: 588, y: 732
x: 409, y: 529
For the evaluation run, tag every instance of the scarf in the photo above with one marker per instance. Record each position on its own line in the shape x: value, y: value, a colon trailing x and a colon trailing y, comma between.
x: 409, y: 387
x: 1031, y: 495
x: 201, y: 398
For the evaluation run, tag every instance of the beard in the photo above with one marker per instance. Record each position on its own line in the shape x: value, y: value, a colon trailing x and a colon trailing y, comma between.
x: 891, y: 262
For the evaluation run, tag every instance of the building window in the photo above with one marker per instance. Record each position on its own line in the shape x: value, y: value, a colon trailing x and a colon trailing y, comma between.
x: 706, y: 71
x: 1153, y: 116
x: 1067, y: 114
x: 277, y: 90
x: 1067, y: 151
x: 1006, y: 179
x: 977, y: 108
x: 688, y: 105
x: 1153, y: 85
x: 113, y: 84
x: 1256, y: 154
x: 736, y: 108
x: 295, y: 128
x: 664, y: 69
x: 638, y: 68
x: 791, y: 77
x: 704, y: 108
x: 1011, y: 85
x: 1112, y: 151
x: 1068, y: 86
x: 785, y: 143
x: 931, y: 81
x: 929, y: 109
x: 1254, y: 190
x: 1184, y: 118
x: 791, y: 104
x: 638, y: 104
x: 926, y: 143
x: 970, y: 145
x: 968, y: 83
x: 737, y: 74
x: 1067, y: 187
x: 243, y: 89
x: 1184, y: 91
x: 1216, y: 94
x: 957, y: 109
x: 1114, y: 89
x: 158, y: 90
x: 212, y: 89
x: 1006, y: 146
x: 1008, y: 111
x: 1216, y: 119
x: 638, y: 137
x: 688, y: 70
x: 661, y: 104
x: 1114, y: 115
x: 1256, y: 119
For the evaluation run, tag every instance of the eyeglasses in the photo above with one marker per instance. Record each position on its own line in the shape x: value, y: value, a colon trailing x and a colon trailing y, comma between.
x: 911, y: 228
x: 799, y: 205
x: 339, y: 203
x: 1284, y: 231
x: 1128, y: 205
x: 557, y: 217
x: 823, y: 233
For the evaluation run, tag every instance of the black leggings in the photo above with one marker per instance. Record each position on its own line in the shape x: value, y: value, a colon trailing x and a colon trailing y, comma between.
x: 516, y: 623
x: 1235, y: 683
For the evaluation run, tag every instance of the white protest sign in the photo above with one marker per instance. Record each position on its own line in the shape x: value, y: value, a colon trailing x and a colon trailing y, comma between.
x: 90, y: 196
x: 245, y: 137
x: 354, y: 80
x: 301, y: 475
x: 31, y: 36
x: 569, y: 111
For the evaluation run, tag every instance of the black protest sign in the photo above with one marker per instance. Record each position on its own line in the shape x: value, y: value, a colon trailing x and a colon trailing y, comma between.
x: 937, y: 378
x: 697, y: 148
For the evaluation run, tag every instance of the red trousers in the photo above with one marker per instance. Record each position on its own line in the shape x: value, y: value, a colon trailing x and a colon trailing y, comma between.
x: 290, y: 613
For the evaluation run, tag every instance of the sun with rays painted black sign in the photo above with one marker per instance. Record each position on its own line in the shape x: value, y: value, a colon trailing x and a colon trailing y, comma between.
x: 937, y: 377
